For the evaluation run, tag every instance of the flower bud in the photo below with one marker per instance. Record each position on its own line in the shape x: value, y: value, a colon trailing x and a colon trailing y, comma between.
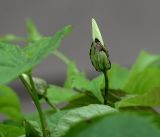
x: 98, y: 54
x: 40, y: 85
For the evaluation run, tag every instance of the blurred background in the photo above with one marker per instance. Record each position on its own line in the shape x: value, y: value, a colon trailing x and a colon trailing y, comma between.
x: 127, y: 26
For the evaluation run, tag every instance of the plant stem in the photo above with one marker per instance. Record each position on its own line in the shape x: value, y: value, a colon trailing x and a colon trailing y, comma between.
x: 62, y: 57
x: 38, y: 106
x: 26, y: 86
x: 51, y: 104
x: 106, y: 87
x: 34, y: 98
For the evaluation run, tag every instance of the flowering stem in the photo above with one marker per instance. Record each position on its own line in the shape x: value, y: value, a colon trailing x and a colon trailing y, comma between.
x: 106, y: 87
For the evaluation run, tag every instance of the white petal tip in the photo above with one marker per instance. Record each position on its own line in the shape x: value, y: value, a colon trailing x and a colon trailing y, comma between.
x: 96, y: 32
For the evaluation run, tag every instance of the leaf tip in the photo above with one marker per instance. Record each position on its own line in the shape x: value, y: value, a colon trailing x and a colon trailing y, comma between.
x: 69, y: 28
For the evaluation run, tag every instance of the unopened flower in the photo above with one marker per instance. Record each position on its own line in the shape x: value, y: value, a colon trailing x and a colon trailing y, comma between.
x: 98, y: 53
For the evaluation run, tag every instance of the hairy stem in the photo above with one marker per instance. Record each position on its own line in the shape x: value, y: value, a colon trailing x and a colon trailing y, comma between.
x: 106, y: 87
x: 38, y: 106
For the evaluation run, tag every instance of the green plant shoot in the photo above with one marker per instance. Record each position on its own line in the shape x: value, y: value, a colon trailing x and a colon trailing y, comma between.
x: 99, y: 55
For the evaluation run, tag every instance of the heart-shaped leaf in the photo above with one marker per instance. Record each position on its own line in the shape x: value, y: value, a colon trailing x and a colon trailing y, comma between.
x: 60, y: 122
x: 120, y: 125
x: 14, y: 60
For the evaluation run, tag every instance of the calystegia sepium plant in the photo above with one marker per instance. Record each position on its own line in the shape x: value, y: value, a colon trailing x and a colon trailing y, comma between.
x: 119, y: 102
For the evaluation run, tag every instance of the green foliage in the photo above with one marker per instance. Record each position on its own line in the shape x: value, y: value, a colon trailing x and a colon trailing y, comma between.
x: 9, y: 103
x: 32, y: 129
x: 144, y: 81
x: 10, y: 131
x: 121, y: 125
x: 60, y: 122
x: 149, y: 99
x: 32, y: 31
x: 58, y: 94
x: 83, y: 99
x: 143, y: 74
x: 118, y: 76
x: 14, y: 61
x: 10, y: 37
x: 80, y: 99
x: 72, y: 71
x: 144, y: 61
x: 83, y: 84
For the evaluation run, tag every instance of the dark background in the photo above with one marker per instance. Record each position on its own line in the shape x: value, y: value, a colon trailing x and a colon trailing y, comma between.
x: 128, y: 26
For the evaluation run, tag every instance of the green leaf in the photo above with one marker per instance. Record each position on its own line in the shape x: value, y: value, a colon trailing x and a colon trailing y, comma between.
x: 34, y: 34
x: 144, y: 61
x: 23, y: 136
x: 72, y: 71
x: 32, y: 129
x: 117, y: 76
x: 40, y: 49
x: 143, y: 81
x: 80, y: 83
x: 10, y: 131
x: 61, y: 122
x: 94, y: 86
x: 9, y: 103
x: 120, y: 125
x: 141, y: 66
x: 149, y: 99
x: 10, y: 37
x: 83, y: 99
x: 57, y: 94
x: 32, y: 31
x: 14, y: 61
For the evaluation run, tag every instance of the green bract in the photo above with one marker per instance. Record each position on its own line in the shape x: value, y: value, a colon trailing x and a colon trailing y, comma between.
x: 99, y: 57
